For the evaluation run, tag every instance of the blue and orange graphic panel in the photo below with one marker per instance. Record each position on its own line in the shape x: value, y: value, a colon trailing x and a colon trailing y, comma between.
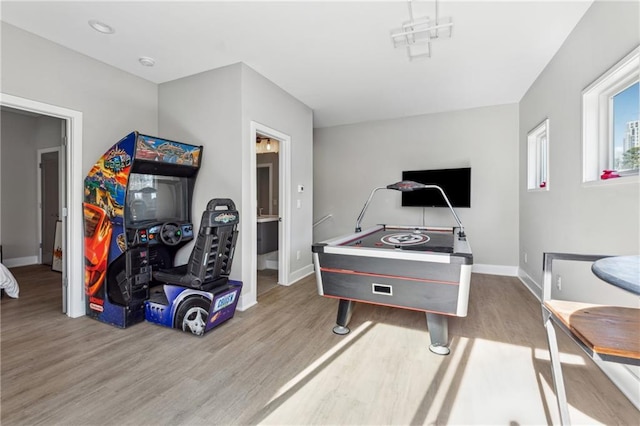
x: 155, y: 149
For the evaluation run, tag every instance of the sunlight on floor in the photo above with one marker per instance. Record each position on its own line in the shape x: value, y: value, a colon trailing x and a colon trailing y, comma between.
x: 318, y: 363
x: 481, y: 382
x: 364, y: 353
x: 565, y: 358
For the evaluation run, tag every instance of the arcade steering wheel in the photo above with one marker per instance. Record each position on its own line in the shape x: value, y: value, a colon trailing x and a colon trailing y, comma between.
x: 171, y: 233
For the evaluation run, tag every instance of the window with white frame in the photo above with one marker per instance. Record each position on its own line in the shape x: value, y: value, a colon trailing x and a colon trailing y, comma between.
x: 610, y: 115
x: 538, y: 157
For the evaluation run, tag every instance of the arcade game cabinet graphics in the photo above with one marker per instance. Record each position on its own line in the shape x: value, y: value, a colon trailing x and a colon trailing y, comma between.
x: 419, y: 268
x: 137, y: 214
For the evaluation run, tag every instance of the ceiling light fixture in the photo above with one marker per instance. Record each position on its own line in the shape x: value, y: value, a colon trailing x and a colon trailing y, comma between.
x: 147, y: 61
x: 416, y: 34
x: 266, y: 145
x: 101, y: 27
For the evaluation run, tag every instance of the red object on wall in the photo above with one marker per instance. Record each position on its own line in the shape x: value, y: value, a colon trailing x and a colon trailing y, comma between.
x: 608, y: 174
x: 543, y: 185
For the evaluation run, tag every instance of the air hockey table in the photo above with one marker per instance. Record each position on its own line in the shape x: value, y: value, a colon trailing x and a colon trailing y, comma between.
x: 419, y: 268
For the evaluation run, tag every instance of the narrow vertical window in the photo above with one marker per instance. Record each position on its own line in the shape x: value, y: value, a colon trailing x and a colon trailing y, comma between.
x: 624, y: 143
x: 538, y: 157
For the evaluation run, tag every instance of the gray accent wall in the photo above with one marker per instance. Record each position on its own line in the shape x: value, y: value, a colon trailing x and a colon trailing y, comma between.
x: 351, y: 160
x: 571, y: 216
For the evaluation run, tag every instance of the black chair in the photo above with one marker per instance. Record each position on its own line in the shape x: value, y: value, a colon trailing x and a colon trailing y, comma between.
x: 210, y: 261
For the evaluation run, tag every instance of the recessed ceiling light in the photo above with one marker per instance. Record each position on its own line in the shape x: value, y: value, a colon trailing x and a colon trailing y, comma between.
x: 101, y: 27
x: 147, y: 61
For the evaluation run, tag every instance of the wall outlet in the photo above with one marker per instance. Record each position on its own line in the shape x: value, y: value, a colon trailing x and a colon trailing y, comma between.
x: 525, y: 257
x: 559, y: 283
x: 298, y: 255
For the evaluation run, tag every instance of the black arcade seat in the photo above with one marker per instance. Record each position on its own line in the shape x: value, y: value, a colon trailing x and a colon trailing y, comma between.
x: 210, y: 261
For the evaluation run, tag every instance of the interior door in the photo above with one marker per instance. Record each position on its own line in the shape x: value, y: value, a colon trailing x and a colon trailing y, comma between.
x: 50, y: 203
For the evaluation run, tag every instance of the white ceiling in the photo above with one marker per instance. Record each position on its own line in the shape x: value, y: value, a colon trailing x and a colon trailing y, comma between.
x: 336, y: 57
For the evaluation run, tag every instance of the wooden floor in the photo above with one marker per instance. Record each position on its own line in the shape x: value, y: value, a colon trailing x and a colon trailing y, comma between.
x: 267, y: 280
x: 279, y: 363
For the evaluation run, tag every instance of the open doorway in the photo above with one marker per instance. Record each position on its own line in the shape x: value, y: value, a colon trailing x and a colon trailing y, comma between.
x: 70, y: 192
x: 283, y: 212
x: 268, y: 212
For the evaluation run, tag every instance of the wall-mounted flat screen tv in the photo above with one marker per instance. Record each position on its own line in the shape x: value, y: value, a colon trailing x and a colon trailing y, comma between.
x: 456, y: 183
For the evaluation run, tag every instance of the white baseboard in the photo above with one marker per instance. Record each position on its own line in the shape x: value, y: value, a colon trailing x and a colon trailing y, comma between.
x: 624, y: 379
x: 300, y: 274
x: 242, y: 306
x: 271, y: 264
x: 530, y: 284
x: 619, y: 374
x: 510, y: 271
x: 20, y: 261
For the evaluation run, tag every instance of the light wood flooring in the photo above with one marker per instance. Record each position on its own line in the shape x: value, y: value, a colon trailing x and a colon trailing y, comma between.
x: 267, y: 280
x: 279, y: 363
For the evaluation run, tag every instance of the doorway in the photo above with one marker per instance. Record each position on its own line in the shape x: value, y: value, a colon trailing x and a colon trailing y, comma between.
x: 268, y: 217
x: 250, y: 214
x: 71, y: 190
x: 49, y: 202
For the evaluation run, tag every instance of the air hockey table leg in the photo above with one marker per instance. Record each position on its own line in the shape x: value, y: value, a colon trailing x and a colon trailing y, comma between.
x: 345, y: 308
x: 438, y: 326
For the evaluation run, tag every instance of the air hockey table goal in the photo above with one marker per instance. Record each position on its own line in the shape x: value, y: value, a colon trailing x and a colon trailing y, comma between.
x: 411, y: 267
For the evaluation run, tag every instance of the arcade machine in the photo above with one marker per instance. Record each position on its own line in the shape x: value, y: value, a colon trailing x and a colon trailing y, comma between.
x: 137, y: 214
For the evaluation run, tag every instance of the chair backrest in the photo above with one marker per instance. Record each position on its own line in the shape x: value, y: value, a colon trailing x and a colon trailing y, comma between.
x: 212, y: 254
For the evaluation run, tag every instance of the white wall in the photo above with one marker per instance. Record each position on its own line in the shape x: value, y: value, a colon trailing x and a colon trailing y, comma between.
x: 113, y: 102
x: 22, y: 136
x: 265, y: 103
x: 204, y: 109
x: 215, y: 109
x: 351, y: 160
x: 48, y: 132
x: 572, y: 217
x: 18, y: 180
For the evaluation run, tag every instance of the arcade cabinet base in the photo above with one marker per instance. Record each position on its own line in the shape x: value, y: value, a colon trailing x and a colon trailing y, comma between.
x: 191, y: 310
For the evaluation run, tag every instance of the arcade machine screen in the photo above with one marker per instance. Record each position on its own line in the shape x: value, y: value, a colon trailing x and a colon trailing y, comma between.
x: 154, y: 198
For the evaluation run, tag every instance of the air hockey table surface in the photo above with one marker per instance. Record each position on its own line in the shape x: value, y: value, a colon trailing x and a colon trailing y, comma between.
x: 440, y: 240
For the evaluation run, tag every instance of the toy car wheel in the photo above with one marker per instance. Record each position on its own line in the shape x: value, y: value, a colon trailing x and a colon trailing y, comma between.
x: 192, y: 315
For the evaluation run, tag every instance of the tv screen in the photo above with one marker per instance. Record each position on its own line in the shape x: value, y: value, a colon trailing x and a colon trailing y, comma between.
x: 456, y: 183
x: 156, y: 198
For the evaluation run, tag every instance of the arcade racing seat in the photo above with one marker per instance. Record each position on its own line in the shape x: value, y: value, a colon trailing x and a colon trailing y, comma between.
x: 210, y: 261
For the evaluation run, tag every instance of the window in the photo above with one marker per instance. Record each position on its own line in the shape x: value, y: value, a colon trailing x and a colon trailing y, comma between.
x: 625, y: 147
x: 610, y: 115
x: 538, y: 157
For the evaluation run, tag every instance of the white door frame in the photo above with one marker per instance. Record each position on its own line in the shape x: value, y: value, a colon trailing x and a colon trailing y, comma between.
x: 39, y: 154
x: 72, y: 196
x: 284, y: 209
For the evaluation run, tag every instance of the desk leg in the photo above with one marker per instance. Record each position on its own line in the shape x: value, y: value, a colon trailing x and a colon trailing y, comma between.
x: 345, y: 308
x: 438, y: 326
x: 556, y: 369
